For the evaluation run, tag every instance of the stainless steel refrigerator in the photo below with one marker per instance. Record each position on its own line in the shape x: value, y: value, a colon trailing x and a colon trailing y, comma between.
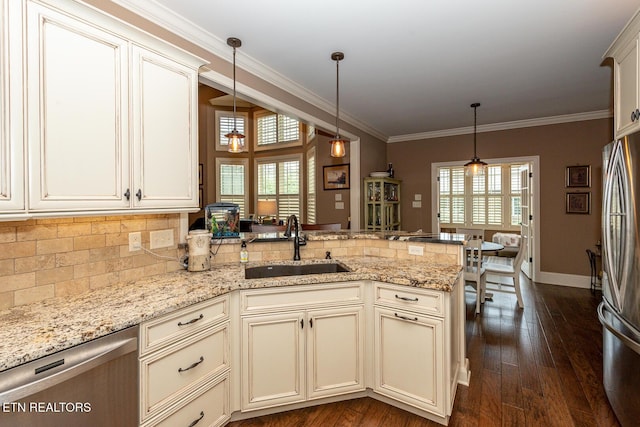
x: 619, y: 311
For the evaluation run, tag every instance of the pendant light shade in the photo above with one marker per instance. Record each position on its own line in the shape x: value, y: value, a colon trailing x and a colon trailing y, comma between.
x: 337, y: 143
x: 236, y: 139
x: 475, y: 166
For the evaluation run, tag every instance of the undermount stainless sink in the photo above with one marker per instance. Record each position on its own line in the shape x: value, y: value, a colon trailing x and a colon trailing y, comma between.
x: 275, y: 270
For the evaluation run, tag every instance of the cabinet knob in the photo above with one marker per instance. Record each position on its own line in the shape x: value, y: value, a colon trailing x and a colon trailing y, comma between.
x: 127, y: 194
x: 139, y: 194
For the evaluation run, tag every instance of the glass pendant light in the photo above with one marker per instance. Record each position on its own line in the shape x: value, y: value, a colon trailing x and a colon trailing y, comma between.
x: 236, y: 139
x: 475, y: 166
x: 337, y: 143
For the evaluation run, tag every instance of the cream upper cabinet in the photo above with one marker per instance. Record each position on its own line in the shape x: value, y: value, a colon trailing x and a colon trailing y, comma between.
x: 627, y: 113
x: 111, y: 116
x: 626, y: 79
x: 77, y: 96
x: 11, y: 129
x: 165, y: 133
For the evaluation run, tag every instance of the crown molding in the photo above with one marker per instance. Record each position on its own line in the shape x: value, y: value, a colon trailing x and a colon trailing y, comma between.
x: 164, y: 17
x: 491, y: 127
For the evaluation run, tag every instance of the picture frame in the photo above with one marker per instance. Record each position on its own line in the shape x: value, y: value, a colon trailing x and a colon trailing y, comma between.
x: 578, y: 176
x: 336, y: 177
x: 578, y: 203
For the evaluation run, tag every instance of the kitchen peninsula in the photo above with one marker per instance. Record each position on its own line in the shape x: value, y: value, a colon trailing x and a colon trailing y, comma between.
x: 394, y: 290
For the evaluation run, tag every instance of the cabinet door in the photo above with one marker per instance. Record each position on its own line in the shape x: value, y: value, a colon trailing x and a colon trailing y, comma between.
x: 11, y: 137
x: 626, y: 89
x: 335, y: 351
x: 165, y: 131
x: 409, y: 358
x: 77, y: 117
x: 272, y: 360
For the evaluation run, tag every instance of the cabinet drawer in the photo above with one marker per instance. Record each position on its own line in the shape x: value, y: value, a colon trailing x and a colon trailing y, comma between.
x: 285, y: 298
x: 180, y: 369
x: 209, y: 407
x: 420, y: 300
x: 168, y: 329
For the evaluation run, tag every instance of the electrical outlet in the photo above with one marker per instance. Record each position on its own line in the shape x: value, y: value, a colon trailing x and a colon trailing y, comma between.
x: 416, y: 250
x: 135, y: 241
x: 161, y: 239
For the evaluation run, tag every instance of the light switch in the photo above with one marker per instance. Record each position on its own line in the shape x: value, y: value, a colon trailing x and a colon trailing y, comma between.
x: 338, y: 197
x: 339, y: 205
x: 417, y: 197
x: 416, y: 204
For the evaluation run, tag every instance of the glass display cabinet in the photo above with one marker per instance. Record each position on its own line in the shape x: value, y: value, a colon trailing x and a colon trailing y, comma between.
x: 381, y: 204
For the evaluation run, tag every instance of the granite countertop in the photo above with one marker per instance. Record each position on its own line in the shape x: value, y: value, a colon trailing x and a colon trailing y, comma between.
x: 36, y: 330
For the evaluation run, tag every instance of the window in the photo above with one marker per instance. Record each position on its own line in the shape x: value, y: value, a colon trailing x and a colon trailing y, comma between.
x: 233, y: 183
x: 491, y: 200
x: 280, y: 178
x: 275, y: 131
x: 311, y: 186
x: 224, y: 125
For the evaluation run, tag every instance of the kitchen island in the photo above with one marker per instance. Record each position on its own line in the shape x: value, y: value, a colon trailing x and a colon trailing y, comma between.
x: 39, y: 329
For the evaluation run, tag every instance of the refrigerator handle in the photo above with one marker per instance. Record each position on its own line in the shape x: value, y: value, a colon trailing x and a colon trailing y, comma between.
x: 629, y: 342
x: 616, y: 180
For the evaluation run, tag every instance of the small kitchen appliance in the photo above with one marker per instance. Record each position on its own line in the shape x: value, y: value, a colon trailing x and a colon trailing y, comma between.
x: 198, y: 244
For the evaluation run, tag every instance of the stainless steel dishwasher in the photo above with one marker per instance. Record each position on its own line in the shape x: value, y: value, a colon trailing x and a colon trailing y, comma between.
x: 91, y: 384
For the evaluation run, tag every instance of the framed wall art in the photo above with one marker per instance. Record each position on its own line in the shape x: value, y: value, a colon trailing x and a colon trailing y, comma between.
x: 578, y: 203
x: 578, y: 176
x: 336, y: 177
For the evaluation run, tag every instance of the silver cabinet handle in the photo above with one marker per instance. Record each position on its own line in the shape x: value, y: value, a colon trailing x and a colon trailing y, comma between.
x: 196, y: 421
x: 407, y: 299
x: 191, y: 321
x: 415, y: 319
x: 193, y: 365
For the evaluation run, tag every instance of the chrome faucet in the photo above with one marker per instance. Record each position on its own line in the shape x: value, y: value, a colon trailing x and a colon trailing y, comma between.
x: 297, y: 240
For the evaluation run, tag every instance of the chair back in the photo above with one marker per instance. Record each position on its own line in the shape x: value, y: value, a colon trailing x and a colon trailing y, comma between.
x: 473, y: 260
x: 471, y: 233
x: 517, y: 261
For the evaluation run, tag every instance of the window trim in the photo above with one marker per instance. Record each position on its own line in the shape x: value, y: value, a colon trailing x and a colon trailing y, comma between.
x: 234, y: 161
x: 506, y: 214
x: 240, y: 115
x: 277, y: 145
x: 277, y: 159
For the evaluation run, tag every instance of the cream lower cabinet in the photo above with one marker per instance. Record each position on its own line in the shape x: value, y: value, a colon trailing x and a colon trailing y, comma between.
x: 419, y: 354
x: 304, y: 352
x: 185, y: 366
x: 409, y: 358
x: 111, y: 114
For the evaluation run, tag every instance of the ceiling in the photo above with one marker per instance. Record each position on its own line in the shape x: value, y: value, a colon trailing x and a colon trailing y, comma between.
x: 413, y: 67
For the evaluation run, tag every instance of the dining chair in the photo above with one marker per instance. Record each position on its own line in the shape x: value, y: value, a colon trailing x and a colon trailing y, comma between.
x: 506, y: 267
x: 474, y: 271
x: 471, y: 233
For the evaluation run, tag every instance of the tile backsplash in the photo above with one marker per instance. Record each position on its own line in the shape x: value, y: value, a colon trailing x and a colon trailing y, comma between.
x: 45, y: 258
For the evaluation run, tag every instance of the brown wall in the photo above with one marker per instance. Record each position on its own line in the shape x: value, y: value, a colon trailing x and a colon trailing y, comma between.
x: 563, y: 237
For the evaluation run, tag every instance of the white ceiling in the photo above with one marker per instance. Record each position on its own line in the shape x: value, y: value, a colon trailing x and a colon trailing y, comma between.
x: 415, y: 66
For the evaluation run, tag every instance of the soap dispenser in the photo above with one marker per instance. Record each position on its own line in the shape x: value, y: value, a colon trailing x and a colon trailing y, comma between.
x: 244, y: 253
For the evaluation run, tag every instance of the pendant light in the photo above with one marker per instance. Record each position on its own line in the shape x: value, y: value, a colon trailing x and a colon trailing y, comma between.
x: 337, y: 143
x: 475, y: 166
x: 236, y: 139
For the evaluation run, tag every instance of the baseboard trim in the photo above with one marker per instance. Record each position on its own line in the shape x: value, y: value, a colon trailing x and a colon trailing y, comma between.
x: 562, y: 279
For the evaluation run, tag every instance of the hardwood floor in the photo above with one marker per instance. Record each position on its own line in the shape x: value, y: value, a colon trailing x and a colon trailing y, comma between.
x: 541, y: 366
